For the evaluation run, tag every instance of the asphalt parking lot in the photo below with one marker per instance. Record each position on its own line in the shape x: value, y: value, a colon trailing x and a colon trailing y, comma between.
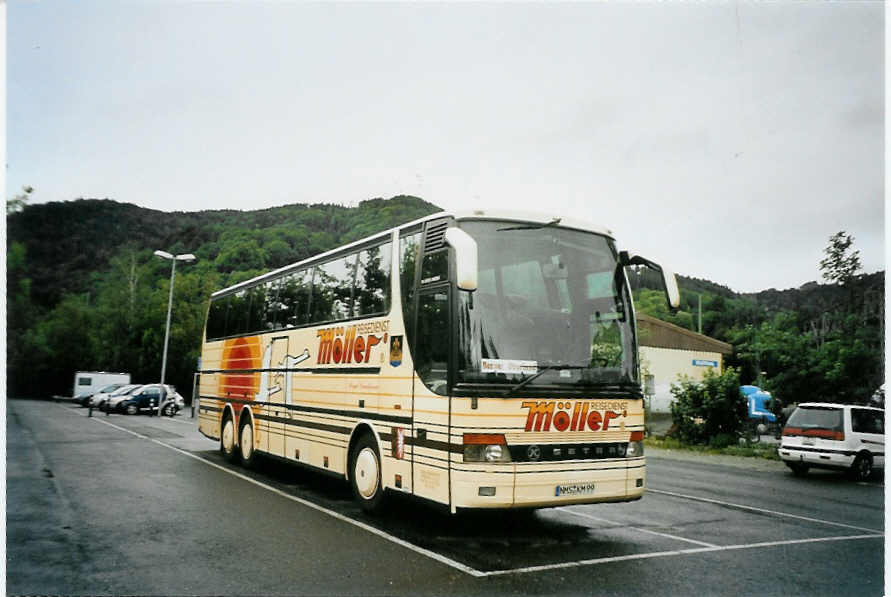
x: 146, y: 505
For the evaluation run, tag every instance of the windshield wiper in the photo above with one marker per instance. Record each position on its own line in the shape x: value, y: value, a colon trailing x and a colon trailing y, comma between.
x: 537, y: 374
x: 553, y: 222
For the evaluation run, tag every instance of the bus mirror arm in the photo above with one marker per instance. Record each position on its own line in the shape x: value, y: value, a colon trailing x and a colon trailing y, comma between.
x: 466, y: 273
x: 672, y: 294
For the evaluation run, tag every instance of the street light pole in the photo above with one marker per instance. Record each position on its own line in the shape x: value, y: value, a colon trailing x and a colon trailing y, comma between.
x: 184, y: 257
x: 167, y: 327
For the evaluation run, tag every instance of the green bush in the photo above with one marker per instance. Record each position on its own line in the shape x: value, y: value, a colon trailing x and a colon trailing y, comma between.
x: 711, y: 411
x: 722, y: 440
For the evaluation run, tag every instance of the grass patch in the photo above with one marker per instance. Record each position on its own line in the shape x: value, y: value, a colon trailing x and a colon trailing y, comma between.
x: 766, y: 451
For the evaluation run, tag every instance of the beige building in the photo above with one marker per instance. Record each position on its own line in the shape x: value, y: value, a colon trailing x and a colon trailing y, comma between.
x: 668, y: 351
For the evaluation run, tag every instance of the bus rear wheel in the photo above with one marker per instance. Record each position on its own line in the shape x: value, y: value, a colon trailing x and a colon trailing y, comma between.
x: 365, y: 474
x: 246, y: 444
x: 227, y: 440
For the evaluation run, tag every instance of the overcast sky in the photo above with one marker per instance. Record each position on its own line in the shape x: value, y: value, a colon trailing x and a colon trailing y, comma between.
x: 726, y: 140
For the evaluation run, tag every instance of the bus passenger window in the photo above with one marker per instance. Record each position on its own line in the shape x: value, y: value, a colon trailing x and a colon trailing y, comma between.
x: 432, y: 358
x: 332, y: 290
x: 372, y: 294
x: 409, y: 249
x: 239, y: 307
x: 273, y: 311
x: 293, y: 299
x: 216, y: 319
x: 257, y: 315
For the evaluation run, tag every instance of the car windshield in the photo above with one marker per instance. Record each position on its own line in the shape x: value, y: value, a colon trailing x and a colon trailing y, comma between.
x: 816, y: 417
x: 552, y: 309
x: 125, y: 390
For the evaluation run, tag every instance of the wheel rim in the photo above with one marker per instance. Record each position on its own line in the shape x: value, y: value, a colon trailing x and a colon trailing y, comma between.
x: 131, y: 410
x: 228, y: 437
x: 366, y: 473
x: 247, y: 441
x: 864, y: 468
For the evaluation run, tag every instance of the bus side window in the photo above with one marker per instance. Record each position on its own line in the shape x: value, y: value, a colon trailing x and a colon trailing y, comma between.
x: 270, y: 308
x: 293, y: 299
x: 372, y: 293
x: 431, y: 361
x: 409, y: 249
x: 239, y: 308
x: 332, y: 289
x: 216, y: 320
x: 256, y: 321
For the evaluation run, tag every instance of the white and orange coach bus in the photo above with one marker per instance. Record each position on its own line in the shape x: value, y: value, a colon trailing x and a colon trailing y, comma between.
x: 478, y: 360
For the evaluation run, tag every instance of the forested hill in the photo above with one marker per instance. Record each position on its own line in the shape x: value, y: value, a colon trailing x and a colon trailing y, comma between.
x: 66, y: 242
x: 817, y: 298
x: 84, y: 292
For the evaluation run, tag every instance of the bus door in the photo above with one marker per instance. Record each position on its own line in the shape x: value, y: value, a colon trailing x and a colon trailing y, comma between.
x: 432, y: 421
x: 273, y: 391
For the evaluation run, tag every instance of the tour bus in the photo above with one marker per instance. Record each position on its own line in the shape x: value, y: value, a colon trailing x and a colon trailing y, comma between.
x: 476, y: 360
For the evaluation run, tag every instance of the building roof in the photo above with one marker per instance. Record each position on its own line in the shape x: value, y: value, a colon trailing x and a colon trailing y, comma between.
x: 661, y: 334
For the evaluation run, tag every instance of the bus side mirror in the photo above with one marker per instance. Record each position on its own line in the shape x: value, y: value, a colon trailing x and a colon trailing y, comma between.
x: 465, y: 258
x: 672, y: 294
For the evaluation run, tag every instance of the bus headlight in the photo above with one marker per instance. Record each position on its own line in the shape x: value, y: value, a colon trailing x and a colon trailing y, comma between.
x: 635, y: 450
x: 483, y: 448
x: 486, y: 453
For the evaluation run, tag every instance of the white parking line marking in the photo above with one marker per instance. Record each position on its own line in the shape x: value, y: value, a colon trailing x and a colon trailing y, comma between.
x: 675, y: 537
x: 679, y: 552
x: 762, y: 510
x: 480, y: 574
x: 420, y: 550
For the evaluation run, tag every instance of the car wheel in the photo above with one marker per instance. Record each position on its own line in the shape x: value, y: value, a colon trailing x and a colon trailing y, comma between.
x: 861, y: 470
x: 799, y: 470
x: 168, y: 411
x: 365, y: 474
x: 132, y: 409
x: 227, y: 440
x: 246, y: 444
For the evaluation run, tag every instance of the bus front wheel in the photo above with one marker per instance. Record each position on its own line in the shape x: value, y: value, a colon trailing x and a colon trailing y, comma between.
x: 365, y: 474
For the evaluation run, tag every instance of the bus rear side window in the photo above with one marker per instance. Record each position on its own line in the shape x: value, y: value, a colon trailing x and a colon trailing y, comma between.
x: 216, y: 318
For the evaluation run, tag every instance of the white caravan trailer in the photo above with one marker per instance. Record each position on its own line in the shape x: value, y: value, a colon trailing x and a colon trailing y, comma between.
x: 88, y: 382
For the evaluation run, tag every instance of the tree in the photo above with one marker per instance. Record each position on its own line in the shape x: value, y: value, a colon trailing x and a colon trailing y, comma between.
x: 18, y: 202
x: 841, y: 263
x: 711, y: 411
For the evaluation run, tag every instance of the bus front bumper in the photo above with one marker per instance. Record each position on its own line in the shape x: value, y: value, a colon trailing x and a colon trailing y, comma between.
x: 538, y: 485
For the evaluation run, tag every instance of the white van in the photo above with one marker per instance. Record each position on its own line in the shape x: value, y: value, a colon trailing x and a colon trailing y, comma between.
x: 90, y: 382
x: 834, y: 436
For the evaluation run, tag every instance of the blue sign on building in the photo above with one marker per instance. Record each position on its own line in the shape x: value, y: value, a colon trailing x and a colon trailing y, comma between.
x: 704, y: 363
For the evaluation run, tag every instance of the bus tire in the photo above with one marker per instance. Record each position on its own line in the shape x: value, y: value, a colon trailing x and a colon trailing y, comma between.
x: 227, y: 439
x: 246, y: 443
x: 365, y: 474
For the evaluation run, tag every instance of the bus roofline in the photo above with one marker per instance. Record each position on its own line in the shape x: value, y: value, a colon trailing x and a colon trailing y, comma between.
x: 460, y: 215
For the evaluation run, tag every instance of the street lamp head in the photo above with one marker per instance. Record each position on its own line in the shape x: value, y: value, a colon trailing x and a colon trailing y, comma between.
x: 163, y: 254
x: 185, y: 257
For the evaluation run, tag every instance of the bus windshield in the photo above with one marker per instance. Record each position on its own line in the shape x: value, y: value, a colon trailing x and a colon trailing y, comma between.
x: 552, y: 312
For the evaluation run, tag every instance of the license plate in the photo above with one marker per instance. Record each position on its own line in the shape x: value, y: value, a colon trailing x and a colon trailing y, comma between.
x: 574, y: 489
